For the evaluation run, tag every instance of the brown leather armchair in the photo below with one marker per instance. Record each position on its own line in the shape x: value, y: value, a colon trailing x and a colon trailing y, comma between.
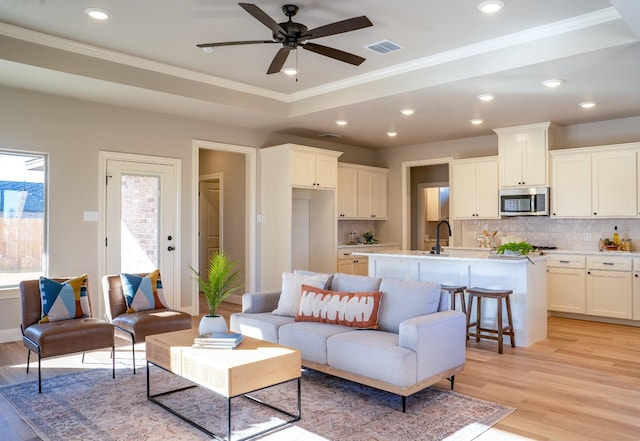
x: 137, y: 325
x: 59, y: 337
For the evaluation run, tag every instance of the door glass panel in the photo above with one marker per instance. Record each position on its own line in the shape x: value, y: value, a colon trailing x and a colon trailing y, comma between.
x: 140, y: 223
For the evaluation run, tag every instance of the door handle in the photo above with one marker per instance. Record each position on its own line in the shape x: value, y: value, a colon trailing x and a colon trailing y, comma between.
x: 171, y: 248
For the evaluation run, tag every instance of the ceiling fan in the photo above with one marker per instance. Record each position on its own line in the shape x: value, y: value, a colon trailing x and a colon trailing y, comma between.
x: 293, y: 35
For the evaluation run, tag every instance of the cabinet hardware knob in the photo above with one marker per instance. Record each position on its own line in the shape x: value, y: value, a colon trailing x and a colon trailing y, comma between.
x: 170, y: 248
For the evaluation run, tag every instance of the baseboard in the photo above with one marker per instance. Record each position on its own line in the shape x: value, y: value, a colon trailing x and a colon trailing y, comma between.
x: 9, y: 335
x: 593, y: 318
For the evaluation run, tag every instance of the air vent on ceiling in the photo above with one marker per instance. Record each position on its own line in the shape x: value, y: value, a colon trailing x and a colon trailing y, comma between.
x: 329, y: 135
x: 384, y: 47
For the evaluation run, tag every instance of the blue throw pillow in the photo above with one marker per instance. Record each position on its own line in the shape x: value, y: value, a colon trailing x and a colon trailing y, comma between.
x: 64, y: 301
x: 143, y: 293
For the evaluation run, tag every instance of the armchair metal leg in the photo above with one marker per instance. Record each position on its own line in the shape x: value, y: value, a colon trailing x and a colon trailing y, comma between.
x: 113, y: 360
x: 39, y: 374
x: 28, y: 359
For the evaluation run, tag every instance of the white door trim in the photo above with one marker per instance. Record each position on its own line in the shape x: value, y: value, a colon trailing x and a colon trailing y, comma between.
x: 251, y: 262
x: 103, y: 157
x: 406, y: 194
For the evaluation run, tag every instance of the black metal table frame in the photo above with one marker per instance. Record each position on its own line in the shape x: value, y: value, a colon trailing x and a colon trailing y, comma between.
x: 295, y: 417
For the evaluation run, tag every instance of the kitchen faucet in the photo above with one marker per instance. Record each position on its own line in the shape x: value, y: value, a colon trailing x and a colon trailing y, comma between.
x: 438, y: 234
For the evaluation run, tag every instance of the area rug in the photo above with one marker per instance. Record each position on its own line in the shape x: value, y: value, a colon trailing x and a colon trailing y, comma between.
x: 90, y: 405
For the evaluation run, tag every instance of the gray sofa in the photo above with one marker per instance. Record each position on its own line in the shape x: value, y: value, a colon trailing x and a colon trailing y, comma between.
x: 415, y: 346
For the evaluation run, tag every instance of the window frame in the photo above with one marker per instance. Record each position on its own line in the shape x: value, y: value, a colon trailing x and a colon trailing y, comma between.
x: 12, y: 291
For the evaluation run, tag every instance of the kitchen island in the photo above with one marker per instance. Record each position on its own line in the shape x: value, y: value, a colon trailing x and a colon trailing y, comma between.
x: 526, y: 276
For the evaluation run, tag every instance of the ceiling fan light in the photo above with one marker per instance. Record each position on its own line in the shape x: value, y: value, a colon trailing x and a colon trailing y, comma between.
x: 477, y: 121
x: 208, y: 49
x: 486, y: 97
x: 553, y: 82
x: 490, y: 6
x: 289, y: 71
x: 407, y: 111
x: 588, y: 104
x: 97, y: 13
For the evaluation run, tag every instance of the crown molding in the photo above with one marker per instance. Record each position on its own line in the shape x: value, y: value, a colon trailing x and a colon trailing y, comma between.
x: 533, y: 34
x: 133, y: 61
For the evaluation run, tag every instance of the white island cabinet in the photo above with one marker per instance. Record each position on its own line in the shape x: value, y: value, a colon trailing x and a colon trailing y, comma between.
x: 526, y: 277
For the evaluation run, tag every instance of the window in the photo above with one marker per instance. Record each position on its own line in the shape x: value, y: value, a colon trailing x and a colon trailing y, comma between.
x: 22, y: 217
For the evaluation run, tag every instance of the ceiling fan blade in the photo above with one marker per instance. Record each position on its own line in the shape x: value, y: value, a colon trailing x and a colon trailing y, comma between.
x: 334, y: 53
x: 235, y: 43
x: 350, y: 24
x: 263, y: 18
x: 278, y: 61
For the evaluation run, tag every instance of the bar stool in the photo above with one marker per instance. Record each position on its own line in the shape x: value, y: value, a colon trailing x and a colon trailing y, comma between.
x: 487, y: 333
x: 453, y: 290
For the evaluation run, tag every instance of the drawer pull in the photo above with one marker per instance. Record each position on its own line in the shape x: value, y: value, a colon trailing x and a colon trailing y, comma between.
x: 564, y: 261
x: 607, y: 263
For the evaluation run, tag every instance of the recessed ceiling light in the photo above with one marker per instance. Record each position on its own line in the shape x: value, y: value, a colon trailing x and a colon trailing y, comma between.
x: 342, y: 122
x: 554, y: 82
x: 97, y: 13
x: 588, y: 104
x: 407, y: 111
x: 486, y: 97
x: 477, y: 121
x: 490, y: 6
x: 391, y: 134
x: 289, y: 71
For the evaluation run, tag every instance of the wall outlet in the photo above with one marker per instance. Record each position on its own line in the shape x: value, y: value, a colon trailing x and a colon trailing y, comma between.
x: 587, y: 236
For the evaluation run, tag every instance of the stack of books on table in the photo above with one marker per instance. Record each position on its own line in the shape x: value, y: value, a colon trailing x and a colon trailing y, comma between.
x: 217, y: 341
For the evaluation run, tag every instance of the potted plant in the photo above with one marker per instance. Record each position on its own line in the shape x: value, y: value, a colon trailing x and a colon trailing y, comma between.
x: 514, y: 248
x: 216, y: 286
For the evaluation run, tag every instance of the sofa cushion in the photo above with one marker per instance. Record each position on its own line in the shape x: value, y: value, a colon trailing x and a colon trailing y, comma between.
x: 313, y: 273
x: 309, y: 338
x: 143, y: 293
x: 291, y: 290
x: 405, y: 299
x: 353, y: 309
x: 354, y: 283
x: 263, y: 326
x: 64, y: 301
x: 373, y: 354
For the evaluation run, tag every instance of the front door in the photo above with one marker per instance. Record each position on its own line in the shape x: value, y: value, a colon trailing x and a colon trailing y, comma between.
x: 141, y: 218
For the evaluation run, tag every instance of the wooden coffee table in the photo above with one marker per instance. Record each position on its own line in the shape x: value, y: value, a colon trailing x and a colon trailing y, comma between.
x: 251, y: 366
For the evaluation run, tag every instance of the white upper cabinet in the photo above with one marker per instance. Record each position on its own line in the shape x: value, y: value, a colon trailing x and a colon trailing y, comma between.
x: 347, y: 192
x: 596, y: 181
x: 522, y: 153
x: 571, y: 185
x: 614, y: 183
x: 314, y: 168
x: 474, y: 188
x: 364, y: 186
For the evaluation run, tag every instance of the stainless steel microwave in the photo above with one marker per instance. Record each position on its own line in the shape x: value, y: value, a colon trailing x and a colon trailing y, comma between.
x: 530, y: 201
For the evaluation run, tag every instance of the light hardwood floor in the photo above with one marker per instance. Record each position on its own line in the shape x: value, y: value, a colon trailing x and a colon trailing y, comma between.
x: 581, y: 383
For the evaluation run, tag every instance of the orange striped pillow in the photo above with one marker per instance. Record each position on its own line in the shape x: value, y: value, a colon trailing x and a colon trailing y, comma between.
x: 353, y: 309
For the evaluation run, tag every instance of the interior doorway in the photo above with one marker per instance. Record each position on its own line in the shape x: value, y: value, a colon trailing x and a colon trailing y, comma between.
x: 433, y: 207
x: 211, y: 210
x: 239, y: 193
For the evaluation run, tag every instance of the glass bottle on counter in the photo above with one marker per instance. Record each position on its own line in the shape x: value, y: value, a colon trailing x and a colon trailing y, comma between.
x: 616, y: 237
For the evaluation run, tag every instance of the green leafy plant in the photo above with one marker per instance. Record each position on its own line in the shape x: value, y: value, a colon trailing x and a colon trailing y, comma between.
x: 515, y: 247
x: 369, y: 237
x: 219, y: 281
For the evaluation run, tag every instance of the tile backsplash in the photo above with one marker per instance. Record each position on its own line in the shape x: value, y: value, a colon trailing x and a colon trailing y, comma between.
x: 567, y: 234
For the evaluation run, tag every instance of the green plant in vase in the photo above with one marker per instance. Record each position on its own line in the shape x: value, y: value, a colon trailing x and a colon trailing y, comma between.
x: 215, y: 287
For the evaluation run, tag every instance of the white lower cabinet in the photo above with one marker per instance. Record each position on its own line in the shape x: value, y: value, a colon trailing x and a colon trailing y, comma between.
x: 636, y: 289
x: 350, y: 264
x: 609, y: 287
x: 566, y: 284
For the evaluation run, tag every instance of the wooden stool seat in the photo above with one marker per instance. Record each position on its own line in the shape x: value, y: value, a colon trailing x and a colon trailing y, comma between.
x: 488, y: 333
x: 453, y: 290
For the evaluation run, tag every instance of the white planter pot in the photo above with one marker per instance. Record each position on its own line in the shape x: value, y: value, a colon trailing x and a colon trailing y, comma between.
x: 212, y: 324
